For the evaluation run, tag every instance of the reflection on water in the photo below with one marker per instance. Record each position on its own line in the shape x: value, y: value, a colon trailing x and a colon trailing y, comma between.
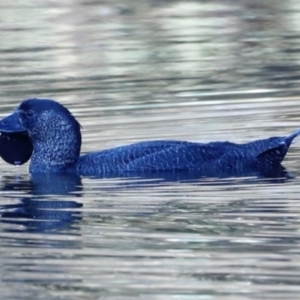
x: 36, y: 212
x: 132, y: 71
x: 43, y: 208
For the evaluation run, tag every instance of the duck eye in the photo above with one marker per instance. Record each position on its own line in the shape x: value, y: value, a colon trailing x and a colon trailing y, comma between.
x: 29, y: 113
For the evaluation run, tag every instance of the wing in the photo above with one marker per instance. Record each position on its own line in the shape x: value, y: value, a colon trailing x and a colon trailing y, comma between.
x: 152, y: 156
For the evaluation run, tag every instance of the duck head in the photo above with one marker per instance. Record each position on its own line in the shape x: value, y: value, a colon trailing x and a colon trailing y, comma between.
x: 52, y: 131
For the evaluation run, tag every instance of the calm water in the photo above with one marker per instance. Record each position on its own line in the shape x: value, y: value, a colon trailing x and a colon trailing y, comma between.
x: 130, y: 71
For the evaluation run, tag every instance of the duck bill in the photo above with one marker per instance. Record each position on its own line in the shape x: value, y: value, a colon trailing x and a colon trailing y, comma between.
x: 12, y: 124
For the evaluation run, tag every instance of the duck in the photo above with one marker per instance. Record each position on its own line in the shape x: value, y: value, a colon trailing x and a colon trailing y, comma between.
x: 47, y: 132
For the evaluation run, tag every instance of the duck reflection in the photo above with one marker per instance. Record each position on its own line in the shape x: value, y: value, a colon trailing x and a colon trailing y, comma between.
x: 49, y: 203
x: 47, y: 206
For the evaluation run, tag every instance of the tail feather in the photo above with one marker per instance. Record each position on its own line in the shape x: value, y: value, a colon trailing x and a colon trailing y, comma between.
x: 276, y: 153
x: 289, y: 139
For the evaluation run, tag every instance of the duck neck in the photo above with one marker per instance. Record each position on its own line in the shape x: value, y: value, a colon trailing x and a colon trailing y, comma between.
x: 55, y: 153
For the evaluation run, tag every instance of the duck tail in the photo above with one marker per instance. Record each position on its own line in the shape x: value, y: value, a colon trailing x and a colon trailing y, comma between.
x: 289, y: 139
x: 277, y: 152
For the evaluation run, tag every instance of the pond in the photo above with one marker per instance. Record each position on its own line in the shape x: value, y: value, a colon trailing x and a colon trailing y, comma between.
x: 132, y: 71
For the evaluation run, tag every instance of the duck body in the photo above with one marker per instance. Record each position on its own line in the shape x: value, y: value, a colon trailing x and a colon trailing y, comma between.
x: 56, y: 140
x: 214, y: 159
x: 151, y: 156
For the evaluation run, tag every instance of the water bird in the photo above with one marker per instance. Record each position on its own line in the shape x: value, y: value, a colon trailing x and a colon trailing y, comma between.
x: 46, y: 131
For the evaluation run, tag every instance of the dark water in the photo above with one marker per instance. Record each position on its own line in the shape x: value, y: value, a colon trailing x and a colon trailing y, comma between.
x: 130, y: 71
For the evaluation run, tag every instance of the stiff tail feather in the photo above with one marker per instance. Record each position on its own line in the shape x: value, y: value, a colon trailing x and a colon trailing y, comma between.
x: 289, y: 139
x: 277, y: 153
